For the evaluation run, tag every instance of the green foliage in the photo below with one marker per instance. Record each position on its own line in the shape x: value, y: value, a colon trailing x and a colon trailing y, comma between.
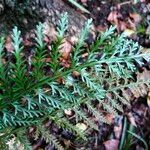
x: 30, y: 92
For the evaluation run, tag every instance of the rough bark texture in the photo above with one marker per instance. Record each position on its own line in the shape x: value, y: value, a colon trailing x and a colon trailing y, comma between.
x: 26, y: 13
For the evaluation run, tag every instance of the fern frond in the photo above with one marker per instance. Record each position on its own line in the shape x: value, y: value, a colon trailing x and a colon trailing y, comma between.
x: 49, y: 138
x: 77, y: 50
x: 63, y: 25
x: 65, y: 124
x: 23, y: 141
x: 105, y: 75
x: 81, y: 115
x: 97, y: 114
x: 101, y: 38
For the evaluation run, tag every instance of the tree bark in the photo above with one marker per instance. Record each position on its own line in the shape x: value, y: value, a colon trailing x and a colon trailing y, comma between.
x: 48, y: 11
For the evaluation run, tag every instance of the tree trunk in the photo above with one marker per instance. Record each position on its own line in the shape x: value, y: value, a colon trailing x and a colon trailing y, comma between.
x: 26, y: 14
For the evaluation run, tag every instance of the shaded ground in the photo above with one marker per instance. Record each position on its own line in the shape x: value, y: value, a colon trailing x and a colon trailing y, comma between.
x: 125, y: 15
x: 129, y: 18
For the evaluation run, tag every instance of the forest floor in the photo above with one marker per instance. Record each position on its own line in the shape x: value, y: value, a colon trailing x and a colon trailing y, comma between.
x: 132, y: 18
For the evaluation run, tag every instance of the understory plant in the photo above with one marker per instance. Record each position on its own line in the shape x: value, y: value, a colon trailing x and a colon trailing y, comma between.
x: 129, y: 137
x: 34, y: 91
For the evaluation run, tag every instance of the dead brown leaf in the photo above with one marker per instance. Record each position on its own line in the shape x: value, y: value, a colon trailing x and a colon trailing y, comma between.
x: 136, y: 17
x: 50, y: 31
x: 118, y: 131
x: 131, y: 119
x: 8, y: 44
x: 65, y: 63
x: 27, y: 42
x: 75, y: 73
x: 65, y: 49
x: 122, y: 25
x: 111, y: 144
x: 131, y: 24
x: 101, y: 28
x: 113, y: 17
x: 110, y: 118
x: 60, y: 80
